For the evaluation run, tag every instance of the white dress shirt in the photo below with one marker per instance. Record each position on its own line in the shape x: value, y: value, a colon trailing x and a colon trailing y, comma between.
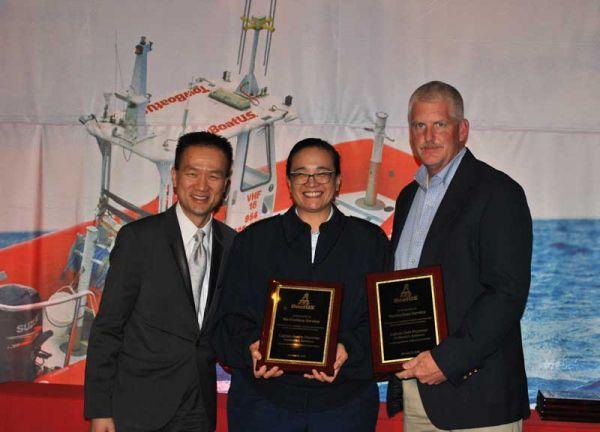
x: 188, y: 229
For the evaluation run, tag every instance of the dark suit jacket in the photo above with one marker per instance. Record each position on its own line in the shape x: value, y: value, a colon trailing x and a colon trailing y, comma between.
x: 481, y: 235
x: 146, y: 349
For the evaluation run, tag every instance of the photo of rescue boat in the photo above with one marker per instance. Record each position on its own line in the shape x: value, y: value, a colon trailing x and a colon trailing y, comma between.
x: 51, y: 285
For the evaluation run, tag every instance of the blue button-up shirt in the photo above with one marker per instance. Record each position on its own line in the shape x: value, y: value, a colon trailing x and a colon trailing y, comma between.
x: 429, y: 195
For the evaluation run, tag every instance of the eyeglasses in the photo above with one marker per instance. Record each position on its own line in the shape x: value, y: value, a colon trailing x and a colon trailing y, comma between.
x: 300, y: 178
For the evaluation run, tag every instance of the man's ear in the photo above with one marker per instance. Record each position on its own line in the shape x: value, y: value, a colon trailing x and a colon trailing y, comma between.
x: 173, y: 176
x: 227, y: 187
x: 463, y: 131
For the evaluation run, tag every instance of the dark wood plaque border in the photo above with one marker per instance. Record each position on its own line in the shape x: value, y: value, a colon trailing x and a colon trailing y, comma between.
x: 374, y: 314
x: 334, y: 322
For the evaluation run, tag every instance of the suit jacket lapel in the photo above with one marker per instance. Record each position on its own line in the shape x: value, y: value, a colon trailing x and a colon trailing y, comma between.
x: 215, y: 263
x: 173, y: 233
x: 454, y: 200
x: 216, y: 275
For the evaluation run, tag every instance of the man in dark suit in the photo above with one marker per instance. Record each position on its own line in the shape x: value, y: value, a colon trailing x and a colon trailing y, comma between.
x: 473, y: 221
x: 149, y: 364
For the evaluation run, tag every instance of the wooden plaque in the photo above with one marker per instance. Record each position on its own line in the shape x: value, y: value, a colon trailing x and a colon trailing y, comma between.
x: 407, y: 315
x: 300, y: 328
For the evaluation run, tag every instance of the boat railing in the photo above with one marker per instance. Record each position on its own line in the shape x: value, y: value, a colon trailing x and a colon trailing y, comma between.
x: 75, y: 332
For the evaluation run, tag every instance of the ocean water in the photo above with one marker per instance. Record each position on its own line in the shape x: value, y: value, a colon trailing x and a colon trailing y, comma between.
x: 561, y: 324
x: 14, y: 237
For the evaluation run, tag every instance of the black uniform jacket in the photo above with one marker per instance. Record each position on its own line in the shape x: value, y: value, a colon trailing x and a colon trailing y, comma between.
x: 481, y: 235
x: 279, y: 248
x: 146, y: 348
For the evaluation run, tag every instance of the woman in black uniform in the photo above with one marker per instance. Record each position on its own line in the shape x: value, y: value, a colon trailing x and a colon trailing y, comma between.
x: 312, y: 241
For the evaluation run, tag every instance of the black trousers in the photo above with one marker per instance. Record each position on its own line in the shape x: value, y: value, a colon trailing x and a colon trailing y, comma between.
x: 189, y: 417
x: 249, y: 411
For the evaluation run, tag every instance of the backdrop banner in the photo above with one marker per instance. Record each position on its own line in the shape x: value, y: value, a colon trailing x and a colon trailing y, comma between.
x: 95, y: 94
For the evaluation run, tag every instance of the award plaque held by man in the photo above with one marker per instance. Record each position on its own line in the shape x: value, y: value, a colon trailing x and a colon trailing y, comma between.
x: 407, y: 315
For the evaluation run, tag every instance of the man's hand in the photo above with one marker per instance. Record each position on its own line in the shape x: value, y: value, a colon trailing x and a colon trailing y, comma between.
x: 103, y: 425
x: 424, y: 368
x: 262, y: 372
x: 340, y: 358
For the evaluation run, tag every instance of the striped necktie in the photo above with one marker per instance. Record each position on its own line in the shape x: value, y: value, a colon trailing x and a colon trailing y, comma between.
x: 197, y: 265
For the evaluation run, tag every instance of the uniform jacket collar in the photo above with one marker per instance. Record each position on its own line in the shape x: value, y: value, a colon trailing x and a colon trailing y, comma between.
x: 296, y: 230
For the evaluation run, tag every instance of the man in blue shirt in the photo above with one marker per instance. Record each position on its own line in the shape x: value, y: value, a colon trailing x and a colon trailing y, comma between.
x: 474, y: 221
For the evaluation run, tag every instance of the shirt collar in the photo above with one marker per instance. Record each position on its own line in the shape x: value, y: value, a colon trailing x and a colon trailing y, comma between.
x: 188, y: 228
x: 444, y: 176
x: 293, y: 225
x: 328, y: 217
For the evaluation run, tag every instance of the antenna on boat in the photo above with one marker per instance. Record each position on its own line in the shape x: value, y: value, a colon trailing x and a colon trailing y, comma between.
x: 242, y: 45
x: 370, y: 201
x: 248, y: 87
x: 136, y: 97
x: 272, y: 9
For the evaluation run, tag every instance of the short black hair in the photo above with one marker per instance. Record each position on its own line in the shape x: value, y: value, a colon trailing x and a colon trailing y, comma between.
x: 316, y: 143
x: 201, y: 139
